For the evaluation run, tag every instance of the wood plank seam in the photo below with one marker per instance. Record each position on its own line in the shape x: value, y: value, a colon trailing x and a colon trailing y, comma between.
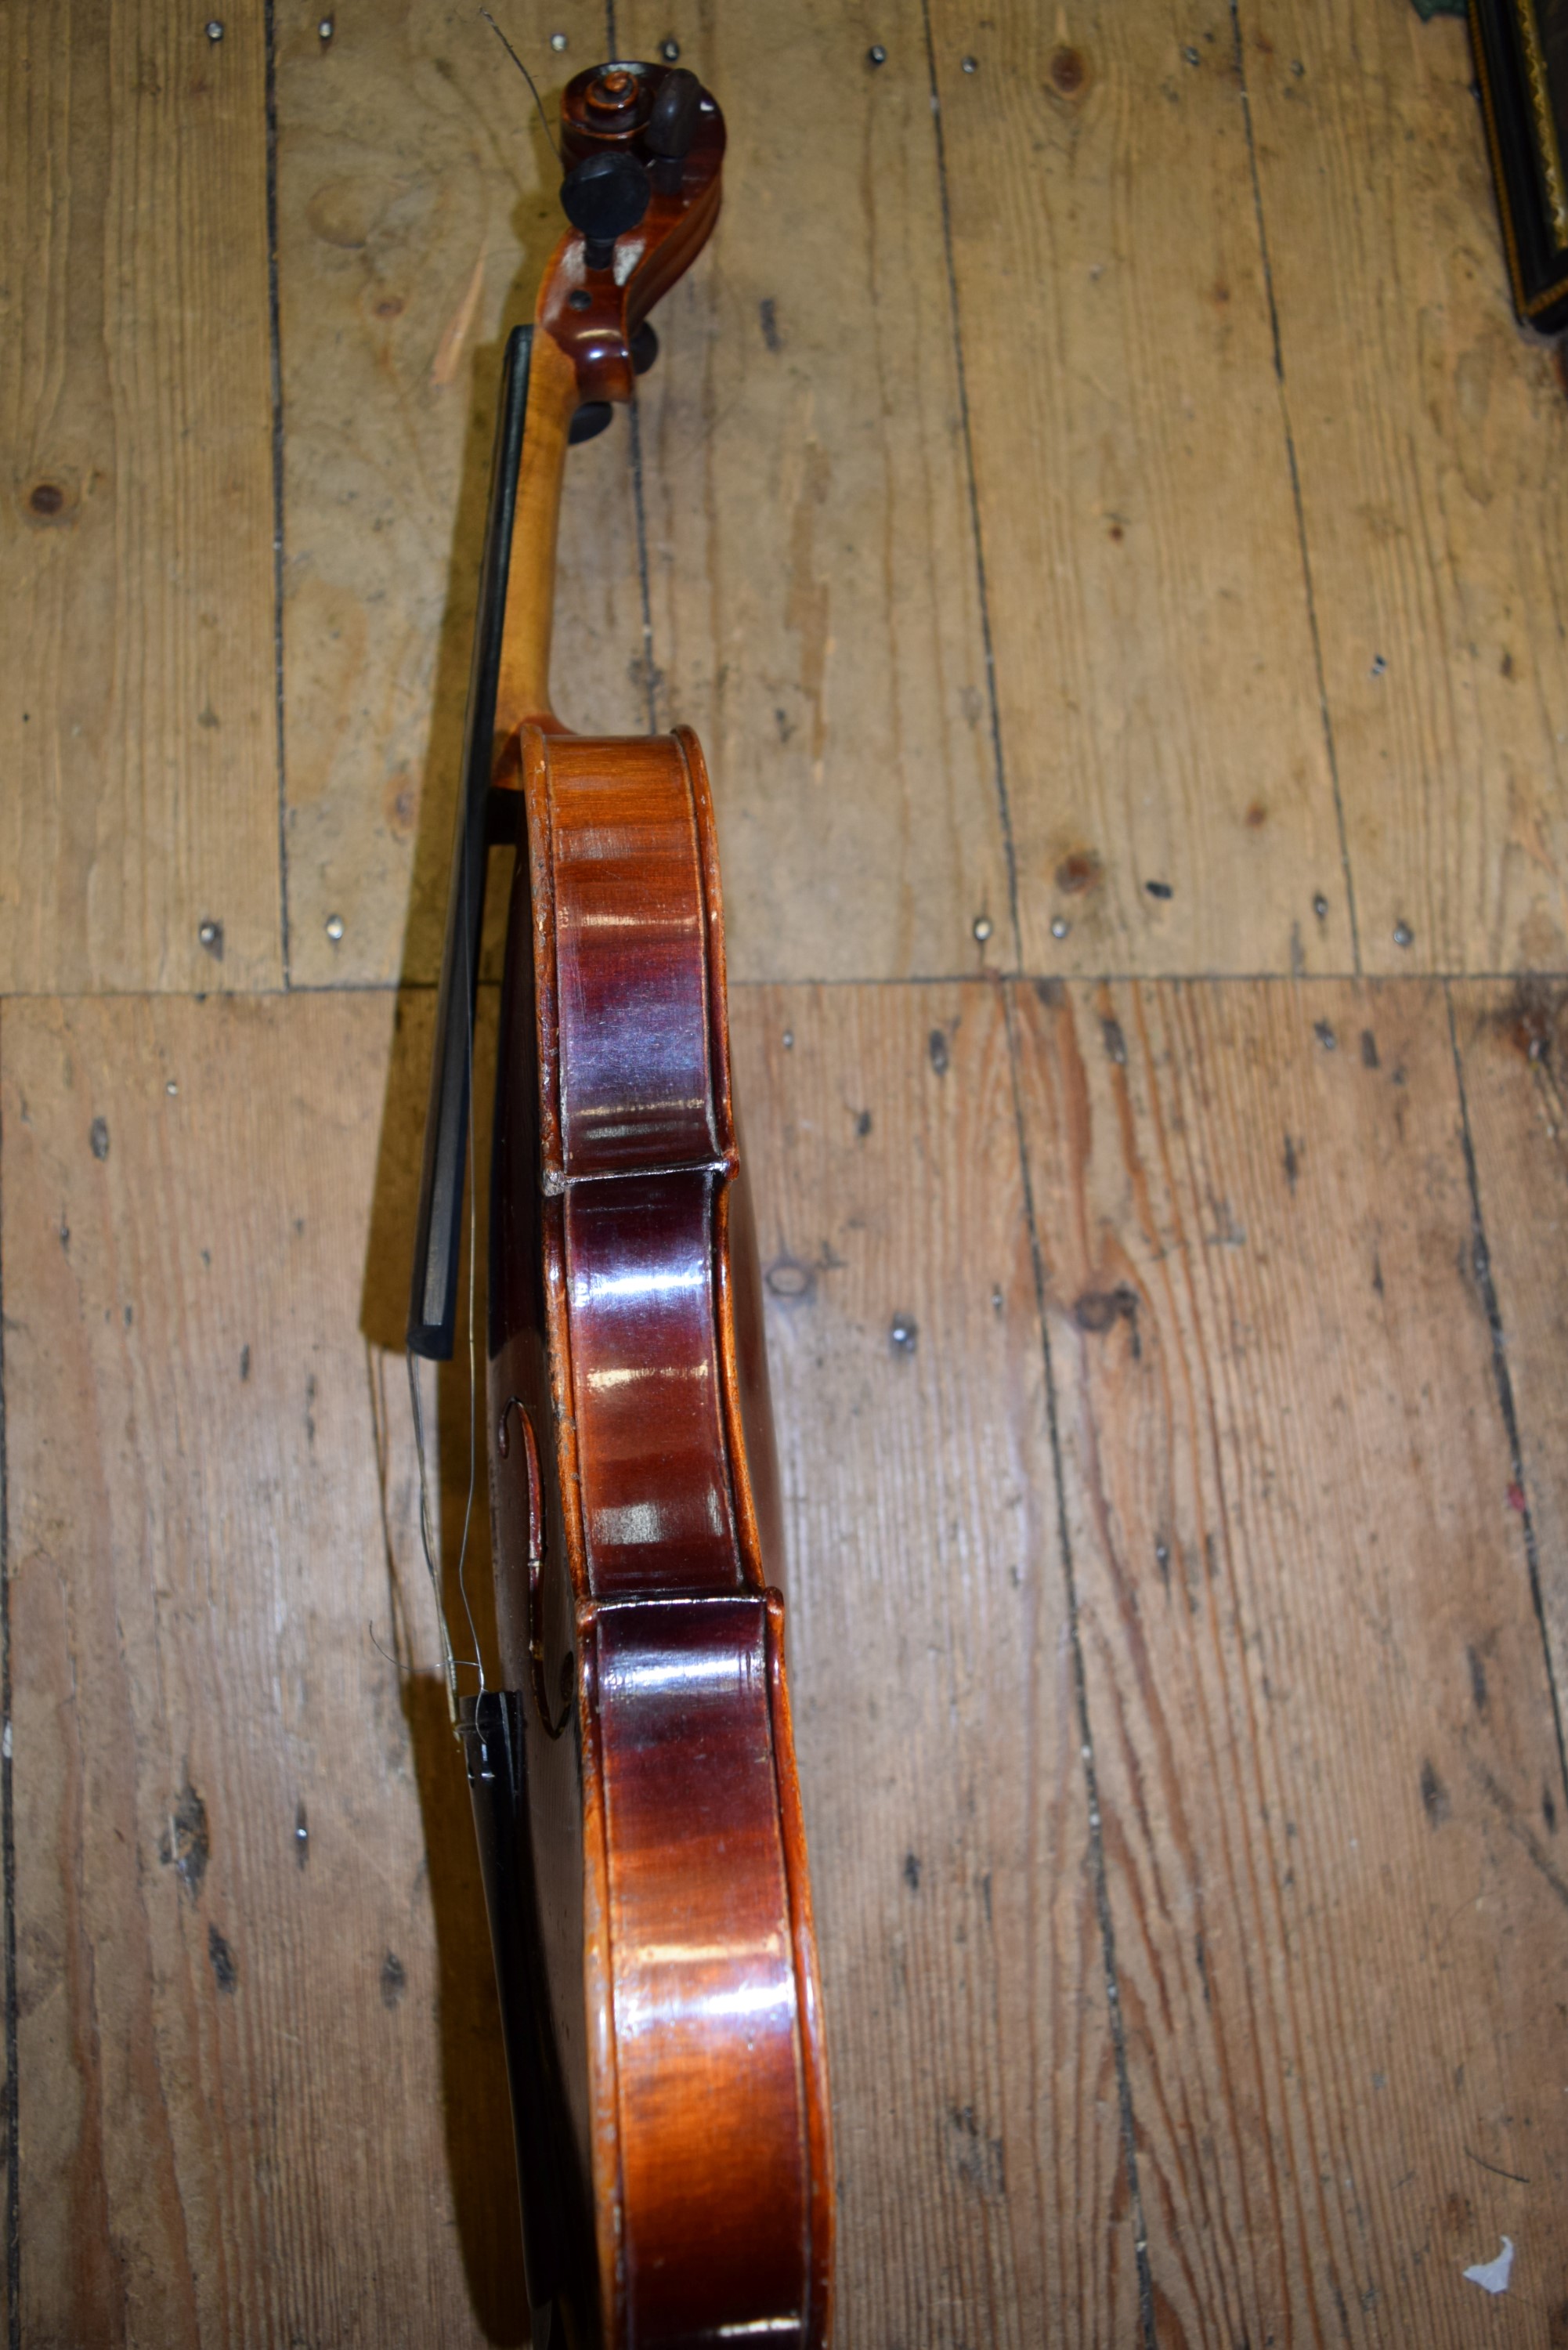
x: 1330, y: 749
x: 976, y: 536
x: 1081, y: 1699
x: 1482, y: 1260
x: 650, y: 672
x: 1090, y: 977
x: 9, y: 1881
x: 275, y: 389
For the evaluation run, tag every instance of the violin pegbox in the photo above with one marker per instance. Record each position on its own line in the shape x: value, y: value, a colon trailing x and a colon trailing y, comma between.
x: 643, y: 147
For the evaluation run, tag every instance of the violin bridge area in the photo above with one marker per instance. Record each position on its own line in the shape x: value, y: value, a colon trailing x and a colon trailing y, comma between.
x: 1098, y: 513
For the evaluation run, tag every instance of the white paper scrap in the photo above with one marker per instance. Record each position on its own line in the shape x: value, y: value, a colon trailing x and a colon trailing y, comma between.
x: 1492, y: 2275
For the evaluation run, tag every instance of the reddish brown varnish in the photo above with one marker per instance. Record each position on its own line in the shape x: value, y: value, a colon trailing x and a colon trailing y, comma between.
x: 635, y: 1490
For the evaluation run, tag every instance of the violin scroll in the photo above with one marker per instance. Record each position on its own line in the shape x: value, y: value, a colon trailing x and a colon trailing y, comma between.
x: 644, y: 145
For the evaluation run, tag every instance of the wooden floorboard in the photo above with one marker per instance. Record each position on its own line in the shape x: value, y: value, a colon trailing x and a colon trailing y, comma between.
x: 1171, y: 792
x: 813, y: 607
x: 1322, y: 1779
x: 975, y: 2096
x: 1512, y: 1044
x: 416, y: 208
x: 1330, y: 1788
x: 261, y: 2094
x: 1093, y: 451
x: 1430, y: 441
x: 138, y: 704
x: 815, y: 601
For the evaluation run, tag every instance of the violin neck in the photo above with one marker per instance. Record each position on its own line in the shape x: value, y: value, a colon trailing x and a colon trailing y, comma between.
x: 523, y: 686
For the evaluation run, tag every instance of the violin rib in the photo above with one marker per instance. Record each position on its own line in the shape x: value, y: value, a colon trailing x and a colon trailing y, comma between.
x: 701, y: 2099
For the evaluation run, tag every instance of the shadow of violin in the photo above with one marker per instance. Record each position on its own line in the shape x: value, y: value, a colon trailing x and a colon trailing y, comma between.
x: 477, y: 2114
x: 480, y: 2160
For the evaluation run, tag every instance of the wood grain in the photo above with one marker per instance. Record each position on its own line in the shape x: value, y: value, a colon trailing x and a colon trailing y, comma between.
x: 417, y: 209
x: 261, y: 2094
x: 811, y: 563
x: 974, y: 2095
x: 1298, y: 1412
x: 225, y: 1526
x: 1331, y: 1797
x: 137, y: 698
x: 1431, y: 439
x: 1512, y: 1045
x: 1158, y: 703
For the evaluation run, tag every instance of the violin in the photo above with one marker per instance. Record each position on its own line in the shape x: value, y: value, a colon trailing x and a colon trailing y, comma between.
x: 633, y: 1778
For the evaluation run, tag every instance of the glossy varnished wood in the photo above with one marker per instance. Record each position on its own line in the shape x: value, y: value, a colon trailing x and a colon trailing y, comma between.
x: 676, y: 1920
x: 639, y: 1075
x: 663, y: 1930
x: 716, y: 2181
x: 644, y: 1382
x: 591, y: 313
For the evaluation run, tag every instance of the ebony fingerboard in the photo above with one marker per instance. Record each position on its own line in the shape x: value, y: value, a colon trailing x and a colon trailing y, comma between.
x: 432, y: 1304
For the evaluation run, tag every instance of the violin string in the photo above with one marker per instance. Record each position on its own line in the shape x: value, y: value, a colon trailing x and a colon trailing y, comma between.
x: 427, y: 1538
x: 527, y: 77
x: 472, y: 1257
x: 402, y: 1663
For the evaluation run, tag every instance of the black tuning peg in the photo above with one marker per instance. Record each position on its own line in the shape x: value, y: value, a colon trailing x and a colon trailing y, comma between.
x: 604, y: 196
x: 594, y: 417
x: 671, y: 127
